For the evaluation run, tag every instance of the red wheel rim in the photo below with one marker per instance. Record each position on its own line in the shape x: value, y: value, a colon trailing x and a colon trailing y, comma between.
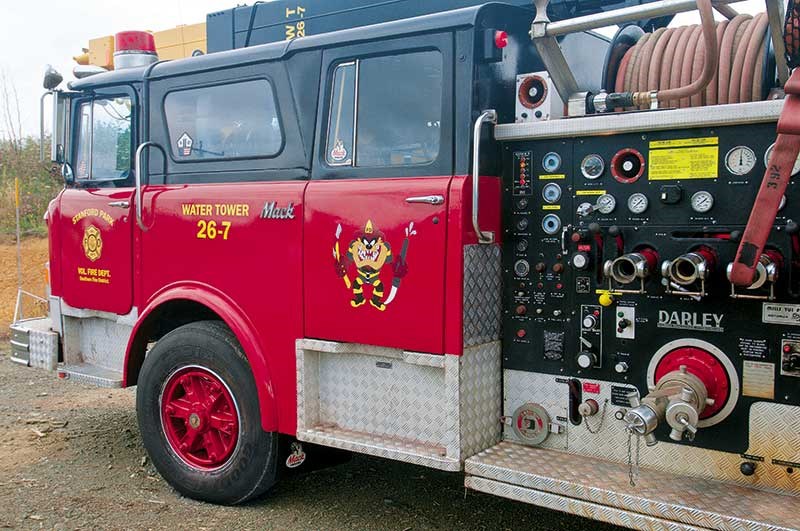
x: 199, y: 417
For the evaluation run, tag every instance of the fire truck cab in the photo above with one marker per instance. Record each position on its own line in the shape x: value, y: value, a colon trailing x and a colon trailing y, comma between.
x: 323, y: 243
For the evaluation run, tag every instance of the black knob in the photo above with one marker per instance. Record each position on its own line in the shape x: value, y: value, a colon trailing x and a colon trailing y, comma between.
x: 794, y: 362
x: 792, y: 227
x: 613, y: 230
x: 594, y: 228
x: 747, y: 468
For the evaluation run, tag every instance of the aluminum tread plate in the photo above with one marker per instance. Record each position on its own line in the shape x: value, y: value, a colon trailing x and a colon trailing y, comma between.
x: 582, y: 508
x: 692, y: 501
x: 399, y: 449
x: 92, y: 375
x: 615, y: 123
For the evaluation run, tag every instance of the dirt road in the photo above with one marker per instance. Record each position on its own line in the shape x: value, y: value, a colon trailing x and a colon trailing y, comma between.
x: 71, y: 458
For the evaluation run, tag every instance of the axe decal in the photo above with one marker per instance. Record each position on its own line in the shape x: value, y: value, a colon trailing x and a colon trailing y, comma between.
x: 398, y: 279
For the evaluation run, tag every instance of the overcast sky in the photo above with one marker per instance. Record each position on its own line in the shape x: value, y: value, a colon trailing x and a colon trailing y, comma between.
x: 35, y: 33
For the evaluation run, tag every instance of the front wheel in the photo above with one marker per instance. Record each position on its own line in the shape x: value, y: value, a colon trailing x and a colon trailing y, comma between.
x: 199, y: 416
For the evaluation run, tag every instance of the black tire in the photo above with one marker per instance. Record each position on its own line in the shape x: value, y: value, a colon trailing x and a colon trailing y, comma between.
x: 251, y: 468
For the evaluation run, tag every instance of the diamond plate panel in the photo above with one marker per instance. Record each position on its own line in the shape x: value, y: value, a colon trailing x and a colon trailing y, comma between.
x: 692, y: 501
x: 399, y: 449
x: 773, y: 435
x: 480, y: 396
x: 96, y: 341
x: 582, y: 508
x: 482, y: 292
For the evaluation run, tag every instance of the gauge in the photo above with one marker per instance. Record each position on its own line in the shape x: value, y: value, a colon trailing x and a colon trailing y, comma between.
x: 551, y: 192
x: 740, y: 160
x: 522, y: 268
x: 702, y: 201
x: 606, y: 204
x: 638, y: 203
x: 551, y: 224
x: 592, y: 166
x: 551, y: 162
x: 768, y: 154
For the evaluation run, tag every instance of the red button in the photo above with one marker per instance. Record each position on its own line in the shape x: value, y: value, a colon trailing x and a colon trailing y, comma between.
x: 787, y: 348
x: 559, y: 286
x: 521, y: 333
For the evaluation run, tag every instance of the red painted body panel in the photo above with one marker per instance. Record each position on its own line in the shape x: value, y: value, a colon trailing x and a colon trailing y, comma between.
x: 95, y: 269
x: 54, y: 230
x: 414, y: 320
x: 461, y: 234
x: 252, y: 279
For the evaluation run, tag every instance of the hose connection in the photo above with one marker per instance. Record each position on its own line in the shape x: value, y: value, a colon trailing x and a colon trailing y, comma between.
x: 766, y: 276
x: 687, y: 274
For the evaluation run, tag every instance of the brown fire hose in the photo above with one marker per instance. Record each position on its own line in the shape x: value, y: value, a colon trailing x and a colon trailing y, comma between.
x: 691, y: 66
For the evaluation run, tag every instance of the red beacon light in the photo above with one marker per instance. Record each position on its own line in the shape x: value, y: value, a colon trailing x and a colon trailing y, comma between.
x: 501, y: 39
x: 134, y: 49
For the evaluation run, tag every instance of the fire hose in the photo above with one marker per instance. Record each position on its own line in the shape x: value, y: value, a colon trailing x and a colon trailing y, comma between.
x: 779, y: 168
x: 707, y: 64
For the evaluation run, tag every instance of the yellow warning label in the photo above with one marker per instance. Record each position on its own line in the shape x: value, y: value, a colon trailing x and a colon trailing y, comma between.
x: 685, y: 142
x: 551, y: 207
x: 590, y: 192
x: 684, y: 163
x: 553, y: 176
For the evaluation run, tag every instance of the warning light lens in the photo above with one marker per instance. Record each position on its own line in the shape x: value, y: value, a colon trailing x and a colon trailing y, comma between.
x: 501, y: 39
x: 139, y: 41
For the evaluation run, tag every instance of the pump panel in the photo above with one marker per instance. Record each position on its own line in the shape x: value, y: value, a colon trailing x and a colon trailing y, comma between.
x: 616, y: 249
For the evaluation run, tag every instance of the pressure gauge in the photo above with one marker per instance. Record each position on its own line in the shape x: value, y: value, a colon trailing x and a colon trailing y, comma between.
x: 740, y: 160
x: 551, y: 224
x: 638, y: 203
x: 551, y: 162
x: 702, y: 201
x: 606, y: 204
x: 768, y: 154
x: 592, y: 166
x: 551, y: 193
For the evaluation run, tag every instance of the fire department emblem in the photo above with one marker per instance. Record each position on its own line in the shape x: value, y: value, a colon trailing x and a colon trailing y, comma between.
x: 185, y: 145
x: 92, y: 243
x: 369, y: 252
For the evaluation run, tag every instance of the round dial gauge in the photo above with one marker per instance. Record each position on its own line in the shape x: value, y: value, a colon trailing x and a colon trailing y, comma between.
x: 768, y: 154
x: 702, y: 201
x: 551, y: 193
x: 551, y: 162
x: 638, y: 203
x: 592, y: 166
x: 606, y: 204
x: 740, y: 160
x: 551, y: 224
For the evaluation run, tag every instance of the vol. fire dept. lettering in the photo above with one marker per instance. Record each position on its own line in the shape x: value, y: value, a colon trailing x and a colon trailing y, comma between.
x: 711, y: 322
x: 272, y: 211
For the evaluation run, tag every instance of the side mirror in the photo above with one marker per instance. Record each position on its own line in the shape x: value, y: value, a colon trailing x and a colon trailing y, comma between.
x: 52, y: 78
x: 66, y: 173
x: 60, y: 118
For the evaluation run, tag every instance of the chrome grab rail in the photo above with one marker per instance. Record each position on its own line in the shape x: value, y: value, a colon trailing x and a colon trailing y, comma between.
x: 489, y: 115
x: 137, y: 174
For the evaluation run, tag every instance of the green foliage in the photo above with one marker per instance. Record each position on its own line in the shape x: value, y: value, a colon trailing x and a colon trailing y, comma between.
x: 39, y: 183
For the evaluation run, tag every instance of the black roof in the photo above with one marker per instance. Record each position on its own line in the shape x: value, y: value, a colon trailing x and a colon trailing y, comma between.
x: 465, y: 17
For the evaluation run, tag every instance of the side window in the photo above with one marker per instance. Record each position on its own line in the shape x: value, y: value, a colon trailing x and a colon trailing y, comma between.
x: 103, y: 150
x: 386, y: 111
x: 236, y: 120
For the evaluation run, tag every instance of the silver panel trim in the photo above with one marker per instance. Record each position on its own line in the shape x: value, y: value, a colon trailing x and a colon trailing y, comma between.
x: 608, y: 124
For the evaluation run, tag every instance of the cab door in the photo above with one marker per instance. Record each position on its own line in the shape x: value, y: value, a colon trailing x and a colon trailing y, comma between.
x: 376, y: 208
x: 95, y: 208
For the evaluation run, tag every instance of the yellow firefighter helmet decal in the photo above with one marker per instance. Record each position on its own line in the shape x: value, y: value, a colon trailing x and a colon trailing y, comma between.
x: 92, y: 243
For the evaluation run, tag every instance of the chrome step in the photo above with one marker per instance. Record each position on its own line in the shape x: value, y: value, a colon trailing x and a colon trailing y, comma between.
x: 91, y: 375
x: 602, y: 490
x: 34, y: 343
x: 389, y: 447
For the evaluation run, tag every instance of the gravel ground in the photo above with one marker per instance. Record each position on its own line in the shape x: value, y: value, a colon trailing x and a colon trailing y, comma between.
x: 71, y: 458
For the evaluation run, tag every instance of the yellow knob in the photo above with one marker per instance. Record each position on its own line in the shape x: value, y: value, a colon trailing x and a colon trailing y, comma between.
x: 606, y: 299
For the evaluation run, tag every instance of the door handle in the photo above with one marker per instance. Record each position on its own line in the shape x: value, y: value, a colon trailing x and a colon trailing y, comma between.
x: 427, y: 199
x: 488, y: 116
x: 120, y: 204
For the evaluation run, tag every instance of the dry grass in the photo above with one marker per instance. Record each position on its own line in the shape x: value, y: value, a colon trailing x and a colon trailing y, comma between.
x: 34, y: 256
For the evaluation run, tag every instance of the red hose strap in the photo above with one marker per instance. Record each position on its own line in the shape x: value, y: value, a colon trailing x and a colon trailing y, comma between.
x: 773, y: 186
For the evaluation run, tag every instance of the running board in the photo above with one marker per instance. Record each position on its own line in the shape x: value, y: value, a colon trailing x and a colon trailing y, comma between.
x: 396, y: 448
x: 91, y: 375
x: 601, y: 490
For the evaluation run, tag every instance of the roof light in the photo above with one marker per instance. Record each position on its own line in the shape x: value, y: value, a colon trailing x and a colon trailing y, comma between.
x: 134, y: 48
x: 501, y: 39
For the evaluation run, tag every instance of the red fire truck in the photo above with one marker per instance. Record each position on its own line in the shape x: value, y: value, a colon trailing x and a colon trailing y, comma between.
x: 475, y: 240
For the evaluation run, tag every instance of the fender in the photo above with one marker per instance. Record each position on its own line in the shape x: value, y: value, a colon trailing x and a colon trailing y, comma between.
x: 239, y: 324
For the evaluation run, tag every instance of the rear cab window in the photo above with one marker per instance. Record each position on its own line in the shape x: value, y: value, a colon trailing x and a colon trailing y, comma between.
x: 227, y: 121
x: 387, y: 114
